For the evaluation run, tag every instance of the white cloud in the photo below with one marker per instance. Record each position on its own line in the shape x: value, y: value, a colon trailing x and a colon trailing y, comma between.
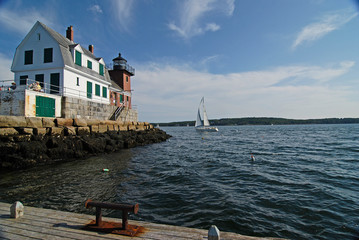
x: 95, y: 9
x: 172, y: 93
x: 21, y: 21
x: 327, y: 24
x: 5, y: 65
x: 212, y: 27
x: 192, y: 13
x: 123, y: 12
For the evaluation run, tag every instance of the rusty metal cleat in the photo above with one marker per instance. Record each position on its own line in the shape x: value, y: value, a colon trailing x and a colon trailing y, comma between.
x: 113, y: 227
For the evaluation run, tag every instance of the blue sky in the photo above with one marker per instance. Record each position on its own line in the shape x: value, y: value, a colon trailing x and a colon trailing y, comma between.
x: 248, y: 58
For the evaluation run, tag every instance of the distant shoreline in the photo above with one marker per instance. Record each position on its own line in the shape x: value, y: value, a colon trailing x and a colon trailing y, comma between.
x: 263, y: 121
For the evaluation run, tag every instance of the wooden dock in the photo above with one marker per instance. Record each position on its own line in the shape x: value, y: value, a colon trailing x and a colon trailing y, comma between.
x: 39, y: 223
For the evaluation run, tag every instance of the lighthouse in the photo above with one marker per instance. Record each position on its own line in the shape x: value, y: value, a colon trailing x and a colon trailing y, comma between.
x: 121, y: 75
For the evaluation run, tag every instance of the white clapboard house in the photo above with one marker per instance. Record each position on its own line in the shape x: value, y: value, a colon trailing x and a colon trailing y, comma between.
x: 73, y: 81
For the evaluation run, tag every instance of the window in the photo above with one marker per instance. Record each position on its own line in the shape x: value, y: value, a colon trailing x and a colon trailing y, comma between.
x: 28, y: 57
x: 89, y: 89
x: 97, y: 90
x: 40, y: 78
x: 55, y: 83
x: 38, y: 36
x: 104, y: 92
x: 23, y: 80
x: 47, y: 55
x: 127, y: 98
x: 89, y: 64
x: 101, y: 69
x: 121, y: 98
x: 78, y: 81
x: 78, y: 58
x: 126, y: 78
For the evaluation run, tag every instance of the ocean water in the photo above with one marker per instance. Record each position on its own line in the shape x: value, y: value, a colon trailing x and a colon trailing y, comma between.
x: 303, y: 184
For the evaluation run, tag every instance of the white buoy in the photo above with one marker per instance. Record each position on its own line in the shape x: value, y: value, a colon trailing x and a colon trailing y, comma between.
x: 16, y: 210
x: 213, y: 233
x: 252, y: 158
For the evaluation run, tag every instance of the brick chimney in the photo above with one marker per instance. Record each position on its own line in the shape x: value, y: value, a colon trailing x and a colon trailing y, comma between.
x: 70, y: 33
x: 91, y: 48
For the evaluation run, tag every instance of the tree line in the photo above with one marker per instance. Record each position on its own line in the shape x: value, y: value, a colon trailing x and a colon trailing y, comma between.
x: 265, y: 121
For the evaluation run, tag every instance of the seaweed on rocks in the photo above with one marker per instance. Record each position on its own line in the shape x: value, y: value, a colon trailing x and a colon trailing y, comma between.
x: 19, y: 152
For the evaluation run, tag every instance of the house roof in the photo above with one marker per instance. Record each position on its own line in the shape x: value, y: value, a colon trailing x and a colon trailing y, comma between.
x: 66, y: 45
x: 57, y: 36
x: 116, y: 86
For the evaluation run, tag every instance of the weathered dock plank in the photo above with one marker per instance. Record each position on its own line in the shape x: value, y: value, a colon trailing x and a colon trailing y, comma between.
x: 39, y: 223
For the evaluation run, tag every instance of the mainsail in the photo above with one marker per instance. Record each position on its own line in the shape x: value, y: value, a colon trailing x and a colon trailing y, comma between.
x: 199, y: 120
x: 205, y: 117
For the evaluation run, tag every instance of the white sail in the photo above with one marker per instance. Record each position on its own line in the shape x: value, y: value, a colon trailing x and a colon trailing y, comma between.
x: 203, y: 124
x: 205, y: 117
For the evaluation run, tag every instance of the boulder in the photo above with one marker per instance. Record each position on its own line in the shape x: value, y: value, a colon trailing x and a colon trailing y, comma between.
x: 8, y: 131
x: 123, y: 128
x: 102, y: 128
x: 70, y: 131
x: 91, y: 122
x: 111, y: 127
x: 27, y: 131
x: 80, y: 122
x: 94, y: 128
x: 39, y: 131
x: 64, y: 122
x: 12, y: 121
x: 48, y: 122
x: 56, y: 131
x: 140, y: 128
x: 34, y: 122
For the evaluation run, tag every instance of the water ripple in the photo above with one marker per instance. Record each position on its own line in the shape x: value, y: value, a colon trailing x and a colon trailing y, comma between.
x: 303, y: 183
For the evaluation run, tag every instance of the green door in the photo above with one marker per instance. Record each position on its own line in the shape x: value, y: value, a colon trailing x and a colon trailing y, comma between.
x: 89, y: 89
x: 45, y: 107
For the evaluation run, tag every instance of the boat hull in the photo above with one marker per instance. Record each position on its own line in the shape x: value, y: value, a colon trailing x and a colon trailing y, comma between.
x: 207, y: 129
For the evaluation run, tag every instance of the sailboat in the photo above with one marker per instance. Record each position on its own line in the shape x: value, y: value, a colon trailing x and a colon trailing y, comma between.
x: 203, y: 124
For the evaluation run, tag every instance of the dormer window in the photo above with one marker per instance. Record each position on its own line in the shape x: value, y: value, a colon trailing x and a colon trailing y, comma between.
x: 101, y: 71
x: 78, y: 58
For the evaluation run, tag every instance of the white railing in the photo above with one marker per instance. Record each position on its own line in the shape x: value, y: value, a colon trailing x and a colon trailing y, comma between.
x: 7, y: 85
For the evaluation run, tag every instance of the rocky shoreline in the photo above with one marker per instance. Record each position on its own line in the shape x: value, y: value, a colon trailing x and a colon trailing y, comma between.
x: 28, y: 142
x: 24, y: 152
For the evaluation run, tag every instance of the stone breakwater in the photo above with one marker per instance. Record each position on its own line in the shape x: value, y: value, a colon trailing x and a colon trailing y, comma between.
x: 29, y: 141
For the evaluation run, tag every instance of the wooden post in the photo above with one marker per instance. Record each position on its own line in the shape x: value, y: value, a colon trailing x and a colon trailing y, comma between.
x: 213, y: 233
x: 16, y: 210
